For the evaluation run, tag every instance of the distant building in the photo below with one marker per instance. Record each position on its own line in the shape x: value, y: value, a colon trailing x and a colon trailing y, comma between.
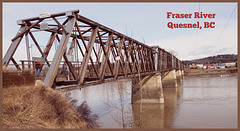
x: 231, y: 64
x: 199, y: 66
x: 219, y: 65
x: 205, y: 66
x: 211, y: 66
x: 193, y: 66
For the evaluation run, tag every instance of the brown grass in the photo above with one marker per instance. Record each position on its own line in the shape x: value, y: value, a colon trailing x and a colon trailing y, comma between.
x: 38, y: 107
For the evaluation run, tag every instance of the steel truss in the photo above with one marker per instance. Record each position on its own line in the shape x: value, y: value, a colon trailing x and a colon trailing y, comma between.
x: 105, y: 53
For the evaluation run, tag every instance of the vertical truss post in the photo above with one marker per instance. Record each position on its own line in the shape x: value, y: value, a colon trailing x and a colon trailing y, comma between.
x: 152, y: 60
x: 133, y: 57
x: 105, y: 59
x: 52, y: 72
x: 11, y: 50
x: 170, y: 61
x: 173, y: 62
x: 87, y: 55
x: 70, y: 49
x: 147, y: 59
x: 166, y: 60
x: 142, y: 56
x: 119, y: 54
x: 127, y: 60
x: 118, y: 51
x: 128, y: 57
x: 160, y: 59
x: 27, y: 49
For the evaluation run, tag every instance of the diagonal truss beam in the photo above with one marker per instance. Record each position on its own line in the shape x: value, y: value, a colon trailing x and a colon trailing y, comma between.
x: 105, y: 59
x: 11, y: 50
x: 119, y: 54
x: 26, y: 30
x: 81, y: 36
x: 52, y: 72
x: 132, y: 55
x: 87, y: 55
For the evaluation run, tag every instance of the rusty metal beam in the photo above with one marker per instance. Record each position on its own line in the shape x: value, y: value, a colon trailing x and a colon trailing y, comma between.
x: 40, y: 50
x: 70, y: 66
x: 118, y: 51
x: 11, y: 50
x: 15, y: 63
x: 134, y: 55
x: 104, y: 52
x: 59, y: 24
x: 105, y: 59
x: 102, y: 27
x: 81, y: 36
x: 70, y: 49
x: 119, y: 54
x: 26, y: 30
x: 52, y: 15
x: 87, y: 55
x: 36, y: 43
x: 52, y: 72
x: 80, y: 48
x: 128, y: 64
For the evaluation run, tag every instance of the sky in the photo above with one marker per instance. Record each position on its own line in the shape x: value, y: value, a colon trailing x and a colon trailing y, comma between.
x: 145, y: 22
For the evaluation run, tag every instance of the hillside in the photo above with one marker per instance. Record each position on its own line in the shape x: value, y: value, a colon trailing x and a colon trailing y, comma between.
x: 213, y: 59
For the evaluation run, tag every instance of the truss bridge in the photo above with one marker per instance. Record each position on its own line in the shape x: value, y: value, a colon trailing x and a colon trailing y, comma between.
x: 86, y: 52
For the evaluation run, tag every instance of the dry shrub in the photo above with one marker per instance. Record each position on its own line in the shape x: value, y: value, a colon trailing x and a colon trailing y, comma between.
x: 38, y: 107
x: 85, y: 112
x: 4, y: 68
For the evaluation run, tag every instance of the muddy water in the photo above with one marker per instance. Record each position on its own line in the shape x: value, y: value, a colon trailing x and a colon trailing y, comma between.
x: 197, y: 102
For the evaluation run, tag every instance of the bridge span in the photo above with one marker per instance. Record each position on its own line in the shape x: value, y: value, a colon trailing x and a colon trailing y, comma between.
x: 89, y: 53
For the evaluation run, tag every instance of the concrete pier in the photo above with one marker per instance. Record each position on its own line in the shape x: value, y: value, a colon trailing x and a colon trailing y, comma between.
x: 151, y: 89
x: 179, y: 75
x: 169, y: 79
x: 182, y: 73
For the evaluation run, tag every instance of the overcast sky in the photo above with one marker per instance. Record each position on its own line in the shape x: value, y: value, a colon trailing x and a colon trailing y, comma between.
x: 146, y: 21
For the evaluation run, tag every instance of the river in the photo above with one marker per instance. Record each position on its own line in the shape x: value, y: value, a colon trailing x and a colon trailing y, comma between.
x: 197, y: 102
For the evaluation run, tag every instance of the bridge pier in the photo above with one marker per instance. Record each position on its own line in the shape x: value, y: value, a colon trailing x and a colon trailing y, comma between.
x: 151, y: 89
x: 182, y: 73
x: 169, y: 79
x: 179, y: 75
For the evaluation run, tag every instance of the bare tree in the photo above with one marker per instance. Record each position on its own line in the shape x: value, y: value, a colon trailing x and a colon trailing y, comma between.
x: 123, y: 114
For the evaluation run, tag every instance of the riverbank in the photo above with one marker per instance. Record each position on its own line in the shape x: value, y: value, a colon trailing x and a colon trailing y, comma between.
x: 209, y: 72
x: 38, y: 107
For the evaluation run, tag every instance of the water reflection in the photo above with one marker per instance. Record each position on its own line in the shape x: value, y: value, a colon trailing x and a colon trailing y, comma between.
x: 111, y: 101
x: 201, y: 102
x: 208, y: 102
x: 158, y: 115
